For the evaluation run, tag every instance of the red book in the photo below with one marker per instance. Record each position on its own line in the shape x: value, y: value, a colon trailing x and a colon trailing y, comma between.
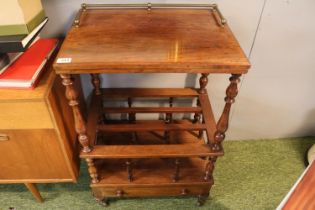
x: 25, y: 71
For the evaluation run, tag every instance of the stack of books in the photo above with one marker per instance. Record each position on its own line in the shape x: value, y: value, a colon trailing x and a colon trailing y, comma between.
x: 23, y: 54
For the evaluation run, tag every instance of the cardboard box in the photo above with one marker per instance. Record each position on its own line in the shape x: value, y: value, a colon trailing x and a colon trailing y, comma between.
x: 20, y: 17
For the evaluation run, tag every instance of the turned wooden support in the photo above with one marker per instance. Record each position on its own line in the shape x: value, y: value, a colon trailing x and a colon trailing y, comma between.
x: 197, y: 119
x: 200, y: 132
x: 79, y: 122
x: 203, y: 81
x: 202, y: 199
x: 176, y: 174
x: 96, y: 82
x: 168, y: 119
x: 132, y: 119
x: 129, y: 170
x: 167, y: 137
x: 223, y: 123
x: 102, y: 201
x: 169, y: 116
x: 131, y: 116
x: 209, y: 168
x: 129, y: 102
x: 92, y: 170
x: 197, y: 116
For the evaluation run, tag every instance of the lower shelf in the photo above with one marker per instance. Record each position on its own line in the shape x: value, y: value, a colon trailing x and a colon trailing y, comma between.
x: 151, y: 177
x: 112, y: 172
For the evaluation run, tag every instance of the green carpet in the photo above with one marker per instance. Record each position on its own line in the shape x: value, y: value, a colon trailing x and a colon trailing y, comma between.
x: 252, y: 175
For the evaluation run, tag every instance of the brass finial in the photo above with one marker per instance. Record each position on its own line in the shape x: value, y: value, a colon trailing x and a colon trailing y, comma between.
x: 83, y: 6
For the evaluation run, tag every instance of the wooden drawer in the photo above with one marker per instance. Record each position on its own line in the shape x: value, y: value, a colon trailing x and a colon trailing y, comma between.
x: 24, y: 115
x: 151, y: 191
x: 31, y: 155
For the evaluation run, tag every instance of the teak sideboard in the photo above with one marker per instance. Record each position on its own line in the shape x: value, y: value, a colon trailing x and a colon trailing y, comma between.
x: 163, y: 157
x: 37, y: 137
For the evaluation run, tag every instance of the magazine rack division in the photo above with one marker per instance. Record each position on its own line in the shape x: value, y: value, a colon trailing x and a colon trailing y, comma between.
x: 167, y: 156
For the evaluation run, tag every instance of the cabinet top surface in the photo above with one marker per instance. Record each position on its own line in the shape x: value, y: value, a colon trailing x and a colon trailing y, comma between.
x: 38, y: 93
x: 142, y: 41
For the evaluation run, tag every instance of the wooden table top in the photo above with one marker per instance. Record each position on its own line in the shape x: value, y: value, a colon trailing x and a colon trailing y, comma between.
x: 177, y: 40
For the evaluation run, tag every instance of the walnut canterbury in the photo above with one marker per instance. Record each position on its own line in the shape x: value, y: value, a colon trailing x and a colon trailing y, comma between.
x: 164, y: 157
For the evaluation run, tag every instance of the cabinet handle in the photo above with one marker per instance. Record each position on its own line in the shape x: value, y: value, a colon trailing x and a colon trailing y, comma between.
x: 4, y: 137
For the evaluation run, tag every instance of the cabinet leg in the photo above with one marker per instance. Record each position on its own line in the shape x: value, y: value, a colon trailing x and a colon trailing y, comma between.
x: 33, y: 189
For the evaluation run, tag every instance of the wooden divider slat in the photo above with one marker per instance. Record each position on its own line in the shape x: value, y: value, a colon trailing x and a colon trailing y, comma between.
x: 149, y: 92
x: 151, y: 151
x: 151, y: 127
x: 152, y: 110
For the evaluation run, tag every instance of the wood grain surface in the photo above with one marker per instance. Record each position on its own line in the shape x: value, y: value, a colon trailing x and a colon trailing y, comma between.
x: 141, y: 41
x: 24, y: 115
x: 304, y: 194
x: 32, y: 155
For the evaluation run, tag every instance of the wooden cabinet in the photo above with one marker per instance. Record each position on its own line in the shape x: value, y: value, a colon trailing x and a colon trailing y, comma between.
x: 37, y: 139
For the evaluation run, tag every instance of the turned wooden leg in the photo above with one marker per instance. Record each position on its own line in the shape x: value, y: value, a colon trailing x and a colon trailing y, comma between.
x: 80, y: 126
x: 102, y: 201
x: 209, y: 168
x: 96, y: 82
x: 72, y: 97
x: 92, y: 170
x: 33, y: 189
x: 202, y: 199
x: 223, y: 123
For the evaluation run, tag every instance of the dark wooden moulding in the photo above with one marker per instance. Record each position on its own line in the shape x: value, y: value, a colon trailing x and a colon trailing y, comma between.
x: 165, y: 157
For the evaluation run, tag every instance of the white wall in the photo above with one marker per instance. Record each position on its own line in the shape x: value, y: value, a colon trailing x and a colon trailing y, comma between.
x: 277, y: 94
x: 276, y: 97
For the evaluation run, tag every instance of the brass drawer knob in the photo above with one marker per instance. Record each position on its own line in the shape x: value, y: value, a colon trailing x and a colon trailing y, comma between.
x: 119, y: 193
x: 184, y: 191
x: 4, y: 137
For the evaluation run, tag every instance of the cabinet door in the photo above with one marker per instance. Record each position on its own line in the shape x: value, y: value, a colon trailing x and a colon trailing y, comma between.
x: 32, y: 155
